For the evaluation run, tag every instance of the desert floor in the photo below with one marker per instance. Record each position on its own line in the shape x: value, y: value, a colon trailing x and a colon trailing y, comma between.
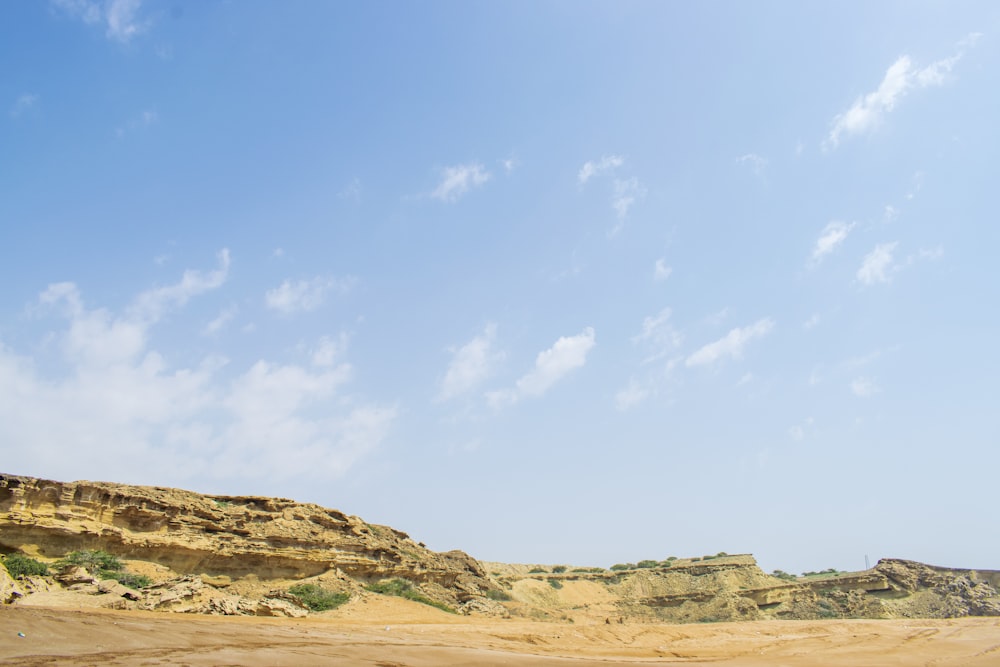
x: 394, y: 634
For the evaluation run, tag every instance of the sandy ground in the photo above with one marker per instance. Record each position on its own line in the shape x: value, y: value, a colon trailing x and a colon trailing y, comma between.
x: 397, y: 634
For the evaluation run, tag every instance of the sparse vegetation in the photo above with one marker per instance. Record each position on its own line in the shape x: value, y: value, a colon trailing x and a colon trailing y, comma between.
x: 498, y: 595
x: 555, y: 583
x: 721, y: 554
x: 593, y: 570
x: 559, y: 569
x: 317, y: 598
x: 404, y: 589
x: 103, y: 565
x: 822, y: 573
x: 19, y: 566
x: 695, y: 560
x: 128, y: 579
x: 536, y: 570
x: 98, y: 563
x: 623, y: 566
x: 781, y: 574
x: 647, y: 563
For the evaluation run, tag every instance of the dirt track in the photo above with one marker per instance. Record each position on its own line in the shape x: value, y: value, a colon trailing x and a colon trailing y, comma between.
x: 91, y: 637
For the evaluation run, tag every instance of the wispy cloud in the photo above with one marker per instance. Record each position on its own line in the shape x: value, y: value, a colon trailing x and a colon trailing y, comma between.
x: 120, y: 18
x: 901, y: 78
x: 328, y: 351
x: 144, y: 119
x: 661, y: 271
x: 23, y: 103
x: 756, y: 162
x: 864, y: 387
x: 877, y: 265
x: 566, y: 354
x: 626, y: 192
x: 658, y: 336
x: 220, y: 321
x: 592, y: 168
x: 830, y: 239
x: 731, y: 345
x: 458, y: 180
x: 633, y: 394
x: 351, y: 191
x: 151, y: 304
x: 304, y: 295
x: 471, y: 364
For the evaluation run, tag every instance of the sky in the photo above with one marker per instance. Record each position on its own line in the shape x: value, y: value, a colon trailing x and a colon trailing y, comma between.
x: 547, y: 282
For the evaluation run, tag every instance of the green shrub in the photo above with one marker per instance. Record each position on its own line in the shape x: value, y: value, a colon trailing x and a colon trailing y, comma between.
x: 721, y: 554
x: 498, y: 595
x: 535, y: 570
x: 95, y: 561
x: 21, y: 566
x: 646, y: 563
x: 781, y: 574
x: 666, y: 563
x: 404, y: 589
x: 695, y: 560
x: 128, y: 579
x: 555, y: 583
x: 317, y: 598
x: 103, y: 565
x: 623, y: 566
x: 559, y: 569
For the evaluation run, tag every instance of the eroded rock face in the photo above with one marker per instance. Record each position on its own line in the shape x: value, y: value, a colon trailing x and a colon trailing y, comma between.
x: 221, y: 536
x: 9, y: 590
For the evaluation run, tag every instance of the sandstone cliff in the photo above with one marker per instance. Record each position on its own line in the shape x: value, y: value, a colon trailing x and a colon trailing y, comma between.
x: 239, y: 555
x: 224, y: 539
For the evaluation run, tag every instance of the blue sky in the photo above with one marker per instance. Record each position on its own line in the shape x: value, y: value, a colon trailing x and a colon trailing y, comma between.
x: 584, y: 282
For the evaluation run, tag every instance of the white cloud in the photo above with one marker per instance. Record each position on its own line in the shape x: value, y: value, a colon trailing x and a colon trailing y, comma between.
x: 471, y: 364
x: 731, y: 345
x: 811, y: 322
x: 630, y: 396
x: 591, y: 169
x: 658, y: 336
x: 566, y: 354
x: 220, y: 321
x: 877, y: 265
x: 510, y: 164
x: 756, y: 162
x: 626, y: 193
x: 459, y: 179
x: 23, y: 103
x: 304, y: 295
x: 97, y: 402
x: 830, y: 239
x: 352, y: 191
x: 328, y: 351
x: 799, y: 431
x: 151, y: 304
x: 120, y: 17
x: 901, y: 77
x: 890, y: 213
x: 864, y: 387
x: 143, y: 120
x: 661, y: 271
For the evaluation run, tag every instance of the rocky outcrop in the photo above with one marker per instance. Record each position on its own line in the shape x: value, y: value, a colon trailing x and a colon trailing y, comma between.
x: 239, y: 555
x: 222, y: 537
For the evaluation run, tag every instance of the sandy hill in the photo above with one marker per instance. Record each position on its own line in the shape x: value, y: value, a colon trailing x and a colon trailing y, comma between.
x: 241, y: 555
